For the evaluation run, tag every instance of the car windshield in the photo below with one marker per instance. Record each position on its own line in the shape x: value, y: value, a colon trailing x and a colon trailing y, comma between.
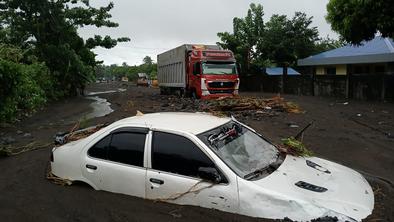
x: 216, y: 68
x: 244, y: 151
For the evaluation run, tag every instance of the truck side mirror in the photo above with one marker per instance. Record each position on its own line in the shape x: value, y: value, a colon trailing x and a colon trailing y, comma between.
x: 197, y: 68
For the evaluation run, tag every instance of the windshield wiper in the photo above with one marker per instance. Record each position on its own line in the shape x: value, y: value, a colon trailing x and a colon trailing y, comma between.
x: 267, y: 169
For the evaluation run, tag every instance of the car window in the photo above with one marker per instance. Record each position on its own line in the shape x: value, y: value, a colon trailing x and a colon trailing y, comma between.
x: 177, y: 154
x: 128, y: 148
x: 99, y: 150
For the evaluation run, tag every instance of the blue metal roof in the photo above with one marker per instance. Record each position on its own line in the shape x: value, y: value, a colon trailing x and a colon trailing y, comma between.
x: 276, y: 71
x: 377, y: 50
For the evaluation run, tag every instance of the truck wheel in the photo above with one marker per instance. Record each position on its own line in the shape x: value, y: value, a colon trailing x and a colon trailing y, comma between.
x: 194, y: 94
x: 162, y: 91
x: 182, y: 92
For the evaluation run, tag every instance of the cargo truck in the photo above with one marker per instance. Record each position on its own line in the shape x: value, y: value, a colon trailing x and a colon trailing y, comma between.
x: 201, y: 71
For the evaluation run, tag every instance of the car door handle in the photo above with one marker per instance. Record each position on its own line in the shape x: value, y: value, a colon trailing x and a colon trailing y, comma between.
x: 154, y: 180
x: 91, y: 167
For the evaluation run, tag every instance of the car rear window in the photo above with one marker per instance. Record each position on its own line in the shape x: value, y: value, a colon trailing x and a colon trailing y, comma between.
x: 99, y: 150
x: 122, y: 147
x: 127, y: 148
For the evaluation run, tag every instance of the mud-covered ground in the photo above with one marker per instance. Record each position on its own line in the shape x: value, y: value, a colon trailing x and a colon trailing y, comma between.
x: 357, y: 134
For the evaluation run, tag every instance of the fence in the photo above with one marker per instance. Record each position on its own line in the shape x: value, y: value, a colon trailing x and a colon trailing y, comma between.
x: 362, y: 86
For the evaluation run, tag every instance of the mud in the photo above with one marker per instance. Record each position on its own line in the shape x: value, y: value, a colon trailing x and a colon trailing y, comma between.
x: 357, y: 134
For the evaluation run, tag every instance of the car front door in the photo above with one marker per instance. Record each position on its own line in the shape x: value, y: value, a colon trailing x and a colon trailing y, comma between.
x: 116, y: 162
x: 175, y: 177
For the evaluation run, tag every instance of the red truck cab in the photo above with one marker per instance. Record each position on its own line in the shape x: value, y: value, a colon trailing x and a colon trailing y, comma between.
x: 211, y: 73
x: 204, y: 71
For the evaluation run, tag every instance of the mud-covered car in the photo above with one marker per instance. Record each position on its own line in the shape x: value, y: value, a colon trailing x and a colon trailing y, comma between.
x: 213, y: 162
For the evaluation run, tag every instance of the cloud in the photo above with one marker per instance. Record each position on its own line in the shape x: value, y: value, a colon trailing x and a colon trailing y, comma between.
x: 157, y: 25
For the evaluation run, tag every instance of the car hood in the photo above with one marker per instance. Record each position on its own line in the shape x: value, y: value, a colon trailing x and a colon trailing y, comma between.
x: 322, y: 183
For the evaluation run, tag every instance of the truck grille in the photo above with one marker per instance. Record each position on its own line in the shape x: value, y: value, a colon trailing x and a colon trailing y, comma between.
x: 227, y: 91
x: 221, y: 84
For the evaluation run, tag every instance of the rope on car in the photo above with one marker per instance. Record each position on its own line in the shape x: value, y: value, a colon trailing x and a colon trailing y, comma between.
x: 190, y: 190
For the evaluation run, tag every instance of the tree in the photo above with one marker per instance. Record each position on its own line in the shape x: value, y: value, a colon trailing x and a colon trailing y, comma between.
x: 147, y: 60
x: 49, y: 28
x: 325, y: 44
x: 148, y: 67
x: 285, y: 41
x: 246, y: 35
x: 358, y: 20
x: 281, y: 41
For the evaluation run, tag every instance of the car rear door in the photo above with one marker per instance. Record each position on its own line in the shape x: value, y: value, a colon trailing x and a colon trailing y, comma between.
x: 116, y: 162
x: 173, y: 176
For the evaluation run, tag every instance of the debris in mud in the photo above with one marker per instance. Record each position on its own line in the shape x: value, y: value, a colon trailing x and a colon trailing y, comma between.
x: 276, y: 103
x: 239, y: 107
x: 76, y: 133
x: 294, y: 147
x: 7, y: 140
x: 12, y: 151
x: 56, y: 180
x: 73, y: 135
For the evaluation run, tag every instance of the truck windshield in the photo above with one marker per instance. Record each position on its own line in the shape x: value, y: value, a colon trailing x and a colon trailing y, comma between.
x: 241, y: 149
x: 217, y: 68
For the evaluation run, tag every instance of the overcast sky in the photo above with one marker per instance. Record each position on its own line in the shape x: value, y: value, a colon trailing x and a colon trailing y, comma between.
x: 155, y: 26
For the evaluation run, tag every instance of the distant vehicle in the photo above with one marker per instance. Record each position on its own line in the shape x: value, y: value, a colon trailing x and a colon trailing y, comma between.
x: 199, y: 159
x: 203, y: 71
x: 142, y: 79
x: 125, y: 79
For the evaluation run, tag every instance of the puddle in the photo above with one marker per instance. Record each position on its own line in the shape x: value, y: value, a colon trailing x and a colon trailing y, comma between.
x: 101, y: 107
x: 106, y: 92
x: 103, y: 92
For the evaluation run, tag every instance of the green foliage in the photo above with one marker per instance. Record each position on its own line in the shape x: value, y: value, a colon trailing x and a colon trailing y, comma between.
x: 327, y: 43
x: 280, y: 41
x: 296, y: 147
x: 20, y: 84
x: 285, y: 41
x: 357, y: 20
x: 108, y: 72
x: 246, y: 36
x: 50, y: 28
x: 41, y: 54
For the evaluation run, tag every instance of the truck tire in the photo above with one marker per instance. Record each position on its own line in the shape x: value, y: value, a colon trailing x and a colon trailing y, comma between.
x: 194, y: 95
x: 163, y: 91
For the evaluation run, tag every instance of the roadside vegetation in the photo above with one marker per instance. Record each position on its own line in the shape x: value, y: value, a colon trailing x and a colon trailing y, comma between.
x: 357, y: 21
x: 131, y: 72
x: 42, y: 56
x: 280, y: 41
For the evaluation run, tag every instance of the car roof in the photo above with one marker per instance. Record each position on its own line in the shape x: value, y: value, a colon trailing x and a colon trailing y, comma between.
x: 194, y: 123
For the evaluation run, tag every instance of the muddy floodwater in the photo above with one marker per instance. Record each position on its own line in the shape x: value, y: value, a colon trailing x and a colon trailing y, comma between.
x: 100, y: 106
x: 348, y: 132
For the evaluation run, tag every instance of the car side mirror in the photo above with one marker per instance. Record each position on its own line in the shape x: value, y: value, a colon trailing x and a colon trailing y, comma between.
x: 209, y: 173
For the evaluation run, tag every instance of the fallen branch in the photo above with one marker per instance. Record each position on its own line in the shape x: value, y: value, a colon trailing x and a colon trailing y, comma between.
x: 12, y: 151
x: 235, y: 104
x: 294, y: 147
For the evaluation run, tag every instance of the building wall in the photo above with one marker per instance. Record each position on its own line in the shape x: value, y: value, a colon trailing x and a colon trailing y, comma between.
x: 340, y: 69
x: 370, y: 68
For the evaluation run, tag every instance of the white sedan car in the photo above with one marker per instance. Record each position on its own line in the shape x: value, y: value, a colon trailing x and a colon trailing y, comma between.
x: 202, y: 160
